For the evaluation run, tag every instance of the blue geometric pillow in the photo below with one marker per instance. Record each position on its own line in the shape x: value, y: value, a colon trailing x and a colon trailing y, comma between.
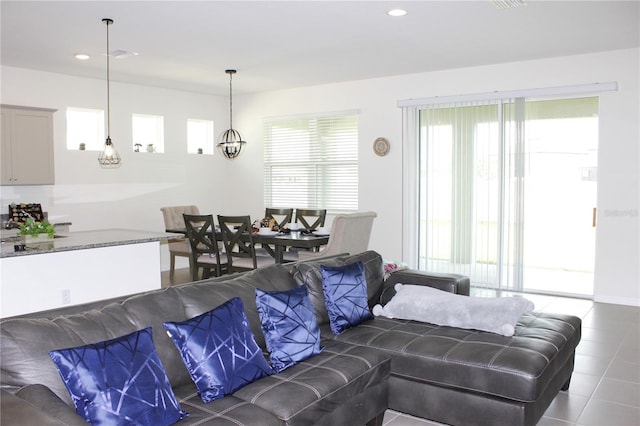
x: 119, y: 381
x: 219, y: 350
x: 345, y: 294
x: 289, y: 325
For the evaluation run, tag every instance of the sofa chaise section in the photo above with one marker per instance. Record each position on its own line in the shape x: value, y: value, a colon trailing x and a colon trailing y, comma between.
x: 458, y: 376
x: 452, y: 375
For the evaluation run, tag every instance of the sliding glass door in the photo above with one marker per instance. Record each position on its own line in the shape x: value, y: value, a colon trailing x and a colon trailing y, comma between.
x: 560, y: 194
x: 504, y: 188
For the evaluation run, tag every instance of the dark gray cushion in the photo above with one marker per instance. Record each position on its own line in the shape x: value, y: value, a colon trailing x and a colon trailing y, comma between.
x: 518, y: 368
x: 227, y: 411
x: 309, y: 390
x: 26, y: 344
x: 151, y: 310
x: 47, y: 401
x: 203, y: 296
x: 373, y: 271
x: 309, y: 273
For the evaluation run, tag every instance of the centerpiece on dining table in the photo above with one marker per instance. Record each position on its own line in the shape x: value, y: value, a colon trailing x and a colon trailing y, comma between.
x: 266, y: 226
x: 269, y: 226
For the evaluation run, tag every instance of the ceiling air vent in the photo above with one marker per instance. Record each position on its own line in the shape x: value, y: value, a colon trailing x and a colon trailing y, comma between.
x: 121, y: 54
x: 508, y: 4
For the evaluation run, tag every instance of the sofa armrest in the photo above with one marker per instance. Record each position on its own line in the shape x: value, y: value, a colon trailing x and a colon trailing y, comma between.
x: 36, y: 404
x: 452, y: 283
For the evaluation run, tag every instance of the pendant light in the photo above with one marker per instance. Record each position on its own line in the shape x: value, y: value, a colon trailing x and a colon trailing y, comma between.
x: 230, y: 142
x: 109, y: 157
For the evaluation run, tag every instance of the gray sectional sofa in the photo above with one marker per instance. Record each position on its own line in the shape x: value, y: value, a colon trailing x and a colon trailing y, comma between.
x: 450, y: 375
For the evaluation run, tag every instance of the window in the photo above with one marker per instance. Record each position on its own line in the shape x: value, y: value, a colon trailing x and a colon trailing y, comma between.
x: 312, y: 162
x: 199, y: 136
x: 148, y: 133
x: 85, y: 126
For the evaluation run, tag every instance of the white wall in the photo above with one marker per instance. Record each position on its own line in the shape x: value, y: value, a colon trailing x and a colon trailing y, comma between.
x: 617, y: 275
x: 131, y: 196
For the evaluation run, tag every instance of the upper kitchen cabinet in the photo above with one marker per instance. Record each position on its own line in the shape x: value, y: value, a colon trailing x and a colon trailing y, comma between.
x: 27, y: 146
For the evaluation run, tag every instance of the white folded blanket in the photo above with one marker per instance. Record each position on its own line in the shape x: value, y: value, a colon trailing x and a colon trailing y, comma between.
x: 420, y: 303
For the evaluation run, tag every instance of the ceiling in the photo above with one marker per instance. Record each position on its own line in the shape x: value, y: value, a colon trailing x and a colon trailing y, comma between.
x: 274, y: 45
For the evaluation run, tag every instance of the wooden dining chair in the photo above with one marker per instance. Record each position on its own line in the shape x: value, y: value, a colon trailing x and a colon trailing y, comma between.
x: 311, y: 219
x: 205, y: 252
x: 281, y: 216
x: 173, y: 220
x: 237, y: 236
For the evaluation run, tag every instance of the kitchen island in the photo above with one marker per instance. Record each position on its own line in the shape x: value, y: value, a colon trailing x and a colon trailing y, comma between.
x: 78, y: 267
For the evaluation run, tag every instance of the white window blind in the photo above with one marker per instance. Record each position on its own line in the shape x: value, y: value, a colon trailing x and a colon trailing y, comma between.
x: 312, y: 162
x: 506, y: 191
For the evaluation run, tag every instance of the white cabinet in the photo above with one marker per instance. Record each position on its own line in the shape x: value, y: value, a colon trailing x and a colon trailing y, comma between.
x: 26, y: 153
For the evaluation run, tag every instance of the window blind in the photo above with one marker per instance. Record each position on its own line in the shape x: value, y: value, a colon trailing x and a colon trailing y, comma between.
x: 312, y: 162
x: 499, y: 181
x: 460, y: 195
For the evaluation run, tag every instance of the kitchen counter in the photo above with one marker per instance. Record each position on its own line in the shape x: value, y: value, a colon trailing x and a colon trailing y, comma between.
x: 83, y: 240
x: 78, y: 267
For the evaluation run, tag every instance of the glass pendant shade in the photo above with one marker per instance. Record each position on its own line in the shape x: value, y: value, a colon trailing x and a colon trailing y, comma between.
x: 230, y: 142
x: 109, y: 157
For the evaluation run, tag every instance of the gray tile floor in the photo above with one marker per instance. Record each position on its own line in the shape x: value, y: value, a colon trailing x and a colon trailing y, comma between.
x: 605, y: 388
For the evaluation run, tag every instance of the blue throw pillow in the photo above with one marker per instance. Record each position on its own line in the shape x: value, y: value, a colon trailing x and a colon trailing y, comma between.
x: 289, y: 325
x: 345, y: 294
x: 119, y: 381
x: 219, y: 350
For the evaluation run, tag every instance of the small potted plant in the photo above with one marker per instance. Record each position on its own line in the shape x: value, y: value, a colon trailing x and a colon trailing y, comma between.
x: 34, y: 232
x: 83, y: 146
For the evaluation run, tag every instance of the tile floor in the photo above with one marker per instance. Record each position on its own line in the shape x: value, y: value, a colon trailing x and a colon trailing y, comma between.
x: 605, y: 388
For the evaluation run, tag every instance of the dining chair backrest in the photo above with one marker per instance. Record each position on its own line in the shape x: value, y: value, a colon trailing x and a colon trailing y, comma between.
x: 281, y: 216
x: 238, y: 240
x: 350, y: 233
x: 173, y: 220
x: 172, y: 215
x: 202, y: 238
x: 311, y: 219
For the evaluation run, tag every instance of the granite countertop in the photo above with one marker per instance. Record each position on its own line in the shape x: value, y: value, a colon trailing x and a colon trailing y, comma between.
x: 85, y: 240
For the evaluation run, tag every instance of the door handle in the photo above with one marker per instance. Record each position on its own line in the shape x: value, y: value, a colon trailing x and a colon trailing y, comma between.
x: 593, y: 218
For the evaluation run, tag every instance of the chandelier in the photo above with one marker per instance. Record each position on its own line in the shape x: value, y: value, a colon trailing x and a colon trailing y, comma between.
x: 230, y: 142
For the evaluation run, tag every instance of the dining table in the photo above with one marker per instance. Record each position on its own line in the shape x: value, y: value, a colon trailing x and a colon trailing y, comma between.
x: 276, y: 243
x: 281, y: 240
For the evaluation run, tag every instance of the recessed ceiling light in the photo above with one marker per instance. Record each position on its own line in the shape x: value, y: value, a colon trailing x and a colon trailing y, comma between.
x: 397, y: 12
x: 82, y: 56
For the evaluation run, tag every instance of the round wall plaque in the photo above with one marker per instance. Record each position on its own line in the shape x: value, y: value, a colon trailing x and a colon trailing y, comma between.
x: 381, y: 146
